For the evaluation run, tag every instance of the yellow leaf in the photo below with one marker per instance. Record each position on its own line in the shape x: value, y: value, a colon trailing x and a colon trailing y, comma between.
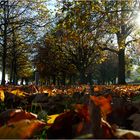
x: 2, y: 95
x: 18, y: 92
x: 52, y: 118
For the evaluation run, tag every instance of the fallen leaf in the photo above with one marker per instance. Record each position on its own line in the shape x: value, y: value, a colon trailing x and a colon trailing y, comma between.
x: 17, y: 92
x: 103, y: 102
x: 21, y: 130
x: 83, y: 110
x: 136, y: 121
x: 14, y: 115
x: 64, y: 126
x: 127, y: 134
x: 51, y: 118
x: 108, y: 132
x: 2, y: 96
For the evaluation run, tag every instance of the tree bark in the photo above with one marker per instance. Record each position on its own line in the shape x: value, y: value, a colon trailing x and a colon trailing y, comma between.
x: 48, y: 81
x: 4, y: 51
x: 121, y: 69
x: 4, y: 56
x: 58, y: 81
x: 64, y: 79
x: 15, y: 72
x: 11, y: 72
x: 82, y: 76
x: 26, y: 81
x: 70, y: 80
x: 3, y: 65
x: 54, y: 79
x: 22, y: 79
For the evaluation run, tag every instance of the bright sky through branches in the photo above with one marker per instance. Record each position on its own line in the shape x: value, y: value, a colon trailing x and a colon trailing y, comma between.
x: 51, y: 5
x: 138, y: 20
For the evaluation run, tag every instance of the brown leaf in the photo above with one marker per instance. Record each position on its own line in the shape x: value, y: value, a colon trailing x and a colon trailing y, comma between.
x: 21, y: 130
x: 136, y: 121
x: 107, y: 130
x: 127, y: 134
x: 14, y: 115
x: 66, y: 126
x: 83, y: 110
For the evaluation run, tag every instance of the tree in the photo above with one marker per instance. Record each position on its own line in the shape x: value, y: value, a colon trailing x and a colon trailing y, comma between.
x: 77, y: 34
x: 85, y: 28
x: 15, y: 15
x: 50, y: 62
x: 119, y: 17
x: 4, y: 27
x: 24, y: 69
x: 107, y: 70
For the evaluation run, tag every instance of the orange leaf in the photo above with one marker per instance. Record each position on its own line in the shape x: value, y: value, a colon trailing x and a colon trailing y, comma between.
x: 83, y: 111
x: 103, y: 102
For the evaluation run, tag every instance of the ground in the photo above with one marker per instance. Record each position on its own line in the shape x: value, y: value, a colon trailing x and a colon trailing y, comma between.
x: 70, y: 112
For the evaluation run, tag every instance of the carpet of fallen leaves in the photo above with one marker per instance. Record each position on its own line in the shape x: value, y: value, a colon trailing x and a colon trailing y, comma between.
x: 41, y: 112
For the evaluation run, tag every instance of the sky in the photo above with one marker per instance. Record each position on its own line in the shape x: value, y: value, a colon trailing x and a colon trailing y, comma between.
x: 51, y: 5
x: 6, y: 77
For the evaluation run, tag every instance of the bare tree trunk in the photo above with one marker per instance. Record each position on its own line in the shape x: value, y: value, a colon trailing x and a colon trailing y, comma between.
x: 64, y: 79
x: 4, y: 53
x: 58, y: 81
x: 121, y: 70
x: 13, y: 67
x: 15, y: 73
x: 54, y: 79
x: 22, y: 79
x: 82, y: 76
x: 11, y: 72
x: 70, y: 79
x: 3, y: 65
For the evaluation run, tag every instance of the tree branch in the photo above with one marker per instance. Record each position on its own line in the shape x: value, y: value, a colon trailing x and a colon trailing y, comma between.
x: 109, y: 49
x: 134, y: 40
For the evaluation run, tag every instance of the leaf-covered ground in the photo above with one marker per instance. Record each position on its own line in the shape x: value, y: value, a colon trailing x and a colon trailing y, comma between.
x: 70, y: 112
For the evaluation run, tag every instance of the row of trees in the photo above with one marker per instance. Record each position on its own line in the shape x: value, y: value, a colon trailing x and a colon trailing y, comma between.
x: 85, y: 40
x: 85, y: 32
x: 19, y: 22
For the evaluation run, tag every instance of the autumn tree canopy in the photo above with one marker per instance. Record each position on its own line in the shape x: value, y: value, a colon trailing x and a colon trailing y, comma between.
x: 68, y: 43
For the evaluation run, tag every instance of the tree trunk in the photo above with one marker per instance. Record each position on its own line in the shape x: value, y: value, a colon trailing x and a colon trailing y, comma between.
x: 15, y: 73
x: 22, y: 79
x: 54, y: 79
x: 4, y: 51
x: 82, y: 77
x: 3, y: 65
x: 64, y: 79
x: 4, y: 55
x: 48, y: 81
x: 58, y: 81
x: 36, y: 77
x: 70, y: 80
x: 26, y: 81
x: 121, y: 70
x: 11, y: 72
x: 13, y: 62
